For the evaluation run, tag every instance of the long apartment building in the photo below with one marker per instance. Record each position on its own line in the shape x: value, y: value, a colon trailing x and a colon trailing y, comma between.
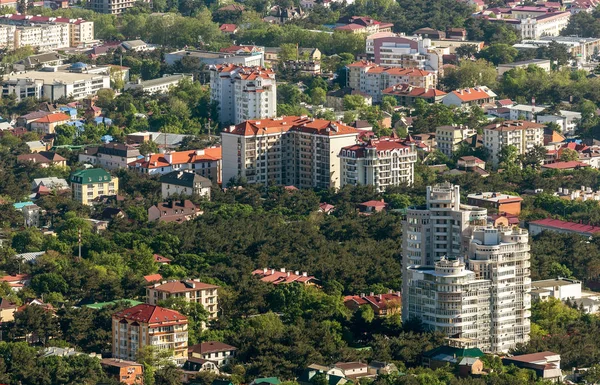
x: 149, y: 325
x: 534, y: 22
x: 392, y: 50
x: 521, y: 134
x: 379, y: 162
x: 372, y: 78
x: 291, y: 150
x: 482, y: 301
x: 243, y: 93
x: 43, y: 32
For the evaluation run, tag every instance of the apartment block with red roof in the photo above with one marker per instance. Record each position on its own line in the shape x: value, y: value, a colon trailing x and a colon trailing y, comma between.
x: 380, y: 162
x: 243, y: 92
x: 372, y: 78
x: 149, y: 325
x: 291, y: 151
x: 192, y: 290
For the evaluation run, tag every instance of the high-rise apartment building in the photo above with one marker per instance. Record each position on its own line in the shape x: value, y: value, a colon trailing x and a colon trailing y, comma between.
x: 149, y: 325
x: 243, y: 93
x: 521, y: 134
x: 479, y: 301
x: 292, y: 150
x: 380, y: 162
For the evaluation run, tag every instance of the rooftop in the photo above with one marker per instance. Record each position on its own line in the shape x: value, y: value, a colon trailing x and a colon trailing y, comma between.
x: 291, y: 123
x: 210, y: 347
x: 52, y: 77
x: 564, y: 225
x: 181, y: 286
x: 495, y: 197
x: 554, y: 282
x: 150, y: 314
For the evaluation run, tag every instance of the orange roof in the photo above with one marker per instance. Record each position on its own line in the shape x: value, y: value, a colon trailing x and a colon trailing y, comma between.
x: 470, y: 94
x: 243, y: 72
x: 179, y: 157
x: 292, y: 123
x: 409, y: 90
x: 182, y: 286
x: 53, y: 118
x: 150, y: 314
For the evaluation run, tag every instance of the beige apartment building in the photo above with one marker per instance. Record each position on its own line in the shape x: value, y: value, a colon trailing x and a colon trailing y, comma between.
x: 191, y: 289
x: 521, y: 134
x: 448, y: 138
x: 92, y: 183
x: 149, y: 325
x: 292, y: 150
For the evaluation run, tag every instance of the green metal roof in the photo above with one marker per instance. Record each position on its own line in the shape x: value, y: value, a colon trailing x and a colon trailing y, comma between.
x: 90, y: 176
x: 267, y: 380
x: 100, y: 305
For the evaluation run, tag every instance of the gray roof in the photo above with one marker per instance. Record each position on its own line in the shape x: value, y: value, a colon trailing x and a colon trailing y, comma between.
x: 554, y: 282
x: 186, y: 179
x: 34, y: 60
x: 170, y: 139
x: 129, y: 44
x: 164, y: 80
x: 30, y: 257
x: 51, y: 182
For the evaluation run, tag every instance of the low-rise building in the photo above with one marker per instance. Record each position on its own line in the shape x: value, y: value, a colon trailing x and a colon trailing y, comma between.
x: 89, y: 184
x: 192, y: 290
x: 565, y: 166
x: 173, y: 211
x: 470, y: 163
x: 362, y: 24
x: 382, y: 304
x: 523, y: 135
x: 43, y: 159
x: 469, y: 97
x: 544, y: 64
x: 563, y: 227
x: 137, y: 45
x: 505, y: 203
x: 406, y: 95
x: 380, y: 162
x: 282, y: 276
x: 52, y: 183
x: 185, y: 182
x: 111, y: 156
x: 149, y: 325
x: 208, y: 58
x: 560, y: 288
x: 127, y: 372
x: 449, y: 138
x: 40, y: 60
x: 217, y: 352
x: 48, y: 123
x: 158, y: 85
x: 545, y: 364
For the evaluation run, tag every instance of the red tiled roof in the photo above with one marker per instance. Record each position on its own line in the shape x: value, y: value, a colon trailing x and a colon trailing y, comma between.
x: 210, y: 347
x: 292, y: 123
x: 15, y: 278
x: 409, y: 90
x: 182, y: 286
x: 54, y: 118
x: 565, y: 165
x: 533, y: 357
x: 380, y: 301
x: 179, y: 157
x: 470, y: 94
x: 153, y: 278
x: 564, y: 225
x: 150, y: 314
x: 228, y: 28
x: 277, y: 276
x: 470, y: 158
x: 160, y: 259
x: 374, y: 204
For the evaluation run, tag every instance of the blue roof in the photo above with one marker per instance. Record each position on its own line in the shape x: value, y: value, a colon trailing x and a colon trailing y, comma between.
x: 107, y: 138
x: 71, y: 111
x: 76, y: 123
x: 102, y: 119
x: 78, y: 65
x: 20, y: 205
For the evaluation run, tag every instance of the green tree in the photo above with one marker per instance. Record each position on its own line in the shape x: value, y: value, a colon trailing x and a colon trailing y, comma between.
x: 354, y: 102
x: 508, y: 157
x: 499, y: 53
x: 567, y: 155
x: 470, y: 74
x: 317, y: 95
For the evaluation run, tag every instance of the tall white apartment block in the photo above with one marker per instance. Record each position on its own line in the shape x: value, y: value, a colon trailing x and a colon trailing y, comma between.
x: 380, y: 162
x: 292, y: 150
x: 243, y: 93
x: 450, y: 299
x: 501, y: 256
x: 521, y: 134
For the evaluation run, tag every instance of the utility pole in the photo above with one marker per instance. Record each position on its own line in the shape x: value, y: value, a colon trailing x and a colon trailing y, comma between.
x: 79, y: 241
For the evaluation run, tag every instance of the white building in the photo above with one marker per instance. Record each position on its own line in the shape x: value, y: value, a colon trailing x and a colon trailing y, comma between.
x: 53, y: 85
x: 501, y: 256
x: 521, y: 134
x: 291, y: 150
x: 383, y: 162
x: 469, y: 97
x: 391, y: 50
x: 243, y: 93
x: 559, y: 288
x: 185, y: 182
x: 110, y: 156
x: 158, y: 85
x: 546, y: 25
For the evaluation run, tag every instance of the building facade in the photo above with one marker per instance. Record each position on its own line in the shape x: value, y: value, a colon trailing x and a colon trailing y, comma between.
x: 185, y: 182
x: 383, y: 162
x: 111, y: 7
x: 110, y: 156
x: 89, y: 184
x: 291, y: 150
x: 243, y: 92
x: 523, y: 135
x: 43, y: 32
x: 149, y: 325
x: 192, y: 290
x: 448, y: 138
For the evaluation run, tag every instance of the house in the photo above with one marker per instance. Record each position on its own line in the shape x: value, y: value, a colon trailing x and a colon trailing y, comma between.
x: 43, y: 158
x: 443, y: 355
x: 161, y: 260
x: 193, y: 366
x: 510, y: 204
x: 282, y: 276
x: 185, y: 182
x: 503, y: 219
x: 149, y: 325
x: 335, y: 99
x: 27, y: 119
x: 309, y: 54
x: 370, y: 207
x: 563, y: 227
x: 362, y: 24
x: 545, y: 364
x: 565, y: 166
x: 470, y: 162
x: 469, y: 366
x: 7, y: 310
x: 165, y: 141
x: 45, y: 59
x: 216, y: 352
x: 560, y: 288
x: 158, y: 85
x: 406, y: 94
x: 468, y: 97
x: 192, y: 290
x: 173, y: 211
x: 430, y: 33
x: 89, y: 184
x: 137, y: 46
x: 281, y: 15
x: 266, y: 381
x: 544, y: 64
x: 229, y: 28
x: 382, y: 304
x: 127, y: 372
x: 48, y: 123
x: 18, y: 281
x: 110, y: 156
x: 52, y: 183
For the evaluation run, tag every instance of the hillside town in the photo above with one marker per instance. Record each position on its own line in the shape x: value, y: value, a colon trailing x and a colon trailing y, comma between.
x: 306, y: 192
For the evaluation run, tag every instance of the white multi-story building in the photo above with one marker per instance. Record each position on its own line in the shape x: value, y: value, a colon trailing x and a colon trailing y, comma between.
x: 243, y: 93
x: 291, y: 150
x: 521, y: 134
x: 158, y: 85
x: 393, y: 50
x: 501, y: 256
x: 448, y: 138
x: 383, y: 162
x: 372, y: 79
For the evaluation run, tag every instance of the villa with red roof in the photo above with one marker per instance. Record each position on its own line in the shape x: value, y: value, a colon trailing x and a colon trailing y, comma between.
x: 467, y: 97
x: 228, y: 28
x: 249, y: 151
x: 282, y: 276
x: 383, y: 162
x: 191, y: 289
x: 363, y: 24
x: 48, y: 123
x: 564, y: 227
x: 372, y: 79
x: 149, y: 325
x: 406, y: 95
x: 382, y: 304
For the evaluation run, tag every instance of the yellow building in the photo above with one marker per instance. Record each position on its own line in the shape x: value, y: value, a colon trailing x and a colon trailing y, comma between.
x: 143, y: 325
x: 89, y: 184
x: 448, y: 138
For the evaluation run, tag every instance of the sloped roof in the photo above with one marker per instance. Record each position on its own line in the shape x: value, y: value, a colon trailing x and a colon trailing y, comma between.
x: 182, y: 286
x: 292, y: 123
x: 54, y: 118
x: 150, y: 314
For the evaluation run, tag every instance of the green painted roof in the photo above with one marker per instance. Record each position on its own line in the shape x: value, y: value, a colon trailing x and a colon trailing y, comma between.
x: 100, y: 305
x: 90, y: 176
x: 267, y: 380
x: 454, y: 352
